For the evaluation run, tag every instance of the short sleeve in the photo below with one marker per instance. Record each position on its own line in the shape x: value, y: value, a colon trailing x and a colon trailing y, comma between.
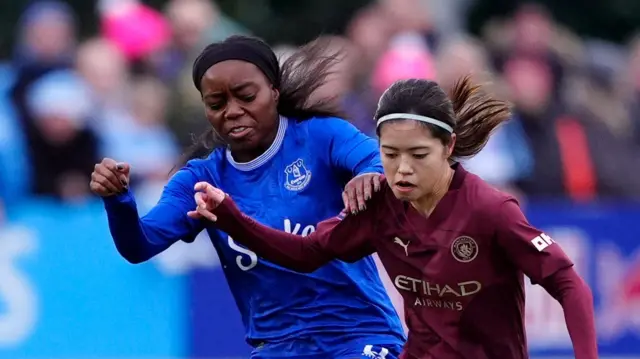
x: 531, y: 250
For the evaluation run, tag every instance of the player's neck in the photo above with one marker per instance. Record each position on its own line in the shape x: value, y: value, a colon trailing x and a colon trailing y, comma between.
x: 426, y: 204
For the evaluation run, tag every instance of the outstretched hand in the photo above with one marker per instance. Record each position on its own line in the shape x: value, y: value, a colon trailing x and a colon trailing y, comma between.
x: 359, y: 190
x: 207, y: 198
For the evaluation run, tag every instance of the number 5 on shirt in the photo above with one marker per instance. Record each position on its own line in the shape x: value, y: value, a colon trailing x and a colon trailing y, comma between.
x: 241, y: 261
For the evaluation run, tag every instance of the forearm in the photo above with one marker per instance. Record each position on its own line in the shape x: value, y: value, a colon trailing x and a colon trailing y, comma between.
x: 127, y: 231
x: 300, y: 254
x: 576, y: 299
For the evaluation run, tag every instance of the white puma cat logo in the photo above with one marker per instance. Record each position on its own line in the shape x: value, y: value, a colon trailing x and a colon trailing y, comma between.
x: 403, y: 245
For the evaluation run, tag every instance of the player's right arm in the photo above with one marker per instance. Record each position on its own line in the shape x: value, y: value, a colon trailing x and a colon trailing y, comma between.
x: 138, y: 239
x: 345, y: 237
x: 545, y: 263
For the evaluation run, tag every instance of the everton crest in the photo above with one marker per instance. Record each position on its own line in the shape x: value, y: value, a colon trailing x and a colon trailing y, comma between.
x: 297, y: 176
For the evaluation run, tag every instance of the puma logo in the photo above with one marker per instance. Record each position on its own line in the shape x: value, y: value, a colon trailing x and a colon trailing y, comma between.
x: 399, y: 241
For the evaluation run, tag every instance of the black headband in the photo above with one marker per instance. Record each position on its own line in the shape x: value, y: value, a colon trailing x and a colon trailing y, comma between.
x: 238, y: 48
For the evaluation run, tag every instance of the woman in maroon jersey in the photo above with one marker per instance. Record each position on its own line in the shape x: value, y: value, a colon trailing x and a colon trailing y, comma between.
x: 456, y: 248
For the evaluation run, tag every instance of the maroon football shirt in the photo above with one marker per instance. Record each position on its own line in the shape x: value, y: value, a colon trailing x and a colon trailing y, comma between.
x: 460, y: 271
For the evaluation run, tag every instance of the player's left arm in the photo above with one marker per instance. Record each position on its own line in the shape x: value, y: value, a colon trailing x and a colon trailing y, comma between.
x: 545, y: 263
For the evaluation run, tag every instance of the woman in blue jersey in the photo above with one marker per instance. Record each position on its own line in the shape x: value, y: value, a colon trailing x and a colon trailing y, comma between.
x: 285, y: 159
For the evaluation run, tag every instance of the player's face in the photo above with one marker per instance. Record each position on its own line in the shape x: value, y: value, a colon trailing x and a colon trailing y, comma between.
x: 413, y: 160
x: 240, y: 104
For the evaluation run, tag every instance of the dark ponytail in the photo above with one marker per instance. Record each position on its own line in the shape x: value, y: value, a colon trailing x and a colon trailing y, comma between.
x: 304, y: 72
x: 477, y: 114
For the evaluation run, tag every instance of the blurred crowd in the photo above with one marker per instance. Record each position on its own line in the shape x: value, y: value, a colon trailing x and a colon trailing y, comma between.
x: 127, y: 93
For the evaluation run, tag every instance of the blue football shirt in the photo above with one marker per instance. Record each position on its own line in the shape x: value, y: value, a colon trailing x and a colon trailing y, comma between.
x: 292, y: 186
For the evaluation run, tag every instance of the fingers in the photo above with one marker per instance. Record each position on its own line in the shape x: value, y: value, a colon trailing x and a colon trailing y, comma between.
x: 109, y: 163
x: 106, y: 180
x: 102, y: 171
x: 345, y: 200
x: 359, y: 187
x: 99, y: 189
x: 201, y: 199
x: 207, y: 198
x: 367, y: 188
x: 194, y: 215
x: 376, y: 183
x: 98, y: 178
x: 120, y: 169
x: 214, y: 195
x: 202, y: 208
x: 202, y: 214
x: 351, y: 198
x: 123, y: 168
x: 359, y: 190
x: 205, y: 213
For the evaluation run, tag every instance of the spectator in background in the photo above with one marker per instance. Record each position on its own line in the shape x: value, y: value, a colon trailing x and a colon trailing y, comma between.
x: 46, y: 42
x: 370, y: 32
x: 105, y: 70
x: 64, y: 150
x: 460, y: 56
x: 598, y: 150
x: 578, y: 152
x: 412, y: 16
x: 189, y: 20
x: 407, y: 56
x: 141, y: 137
x: 46, y: 36
x: 194, y: 23
x: 506, y: 158
x: 135, y: 28
x: 340, y: 84
x: 530, y: 88
x: 528, y: 36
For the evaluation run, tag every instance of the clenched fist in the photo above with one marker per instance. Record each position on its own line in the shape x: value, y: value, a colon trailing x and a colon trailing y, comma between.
x: 109, y: 178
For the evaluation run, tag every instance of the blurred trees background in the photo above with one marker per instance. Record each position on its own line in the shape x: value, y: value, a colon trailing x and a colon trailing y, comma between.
x: 279, y: 20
